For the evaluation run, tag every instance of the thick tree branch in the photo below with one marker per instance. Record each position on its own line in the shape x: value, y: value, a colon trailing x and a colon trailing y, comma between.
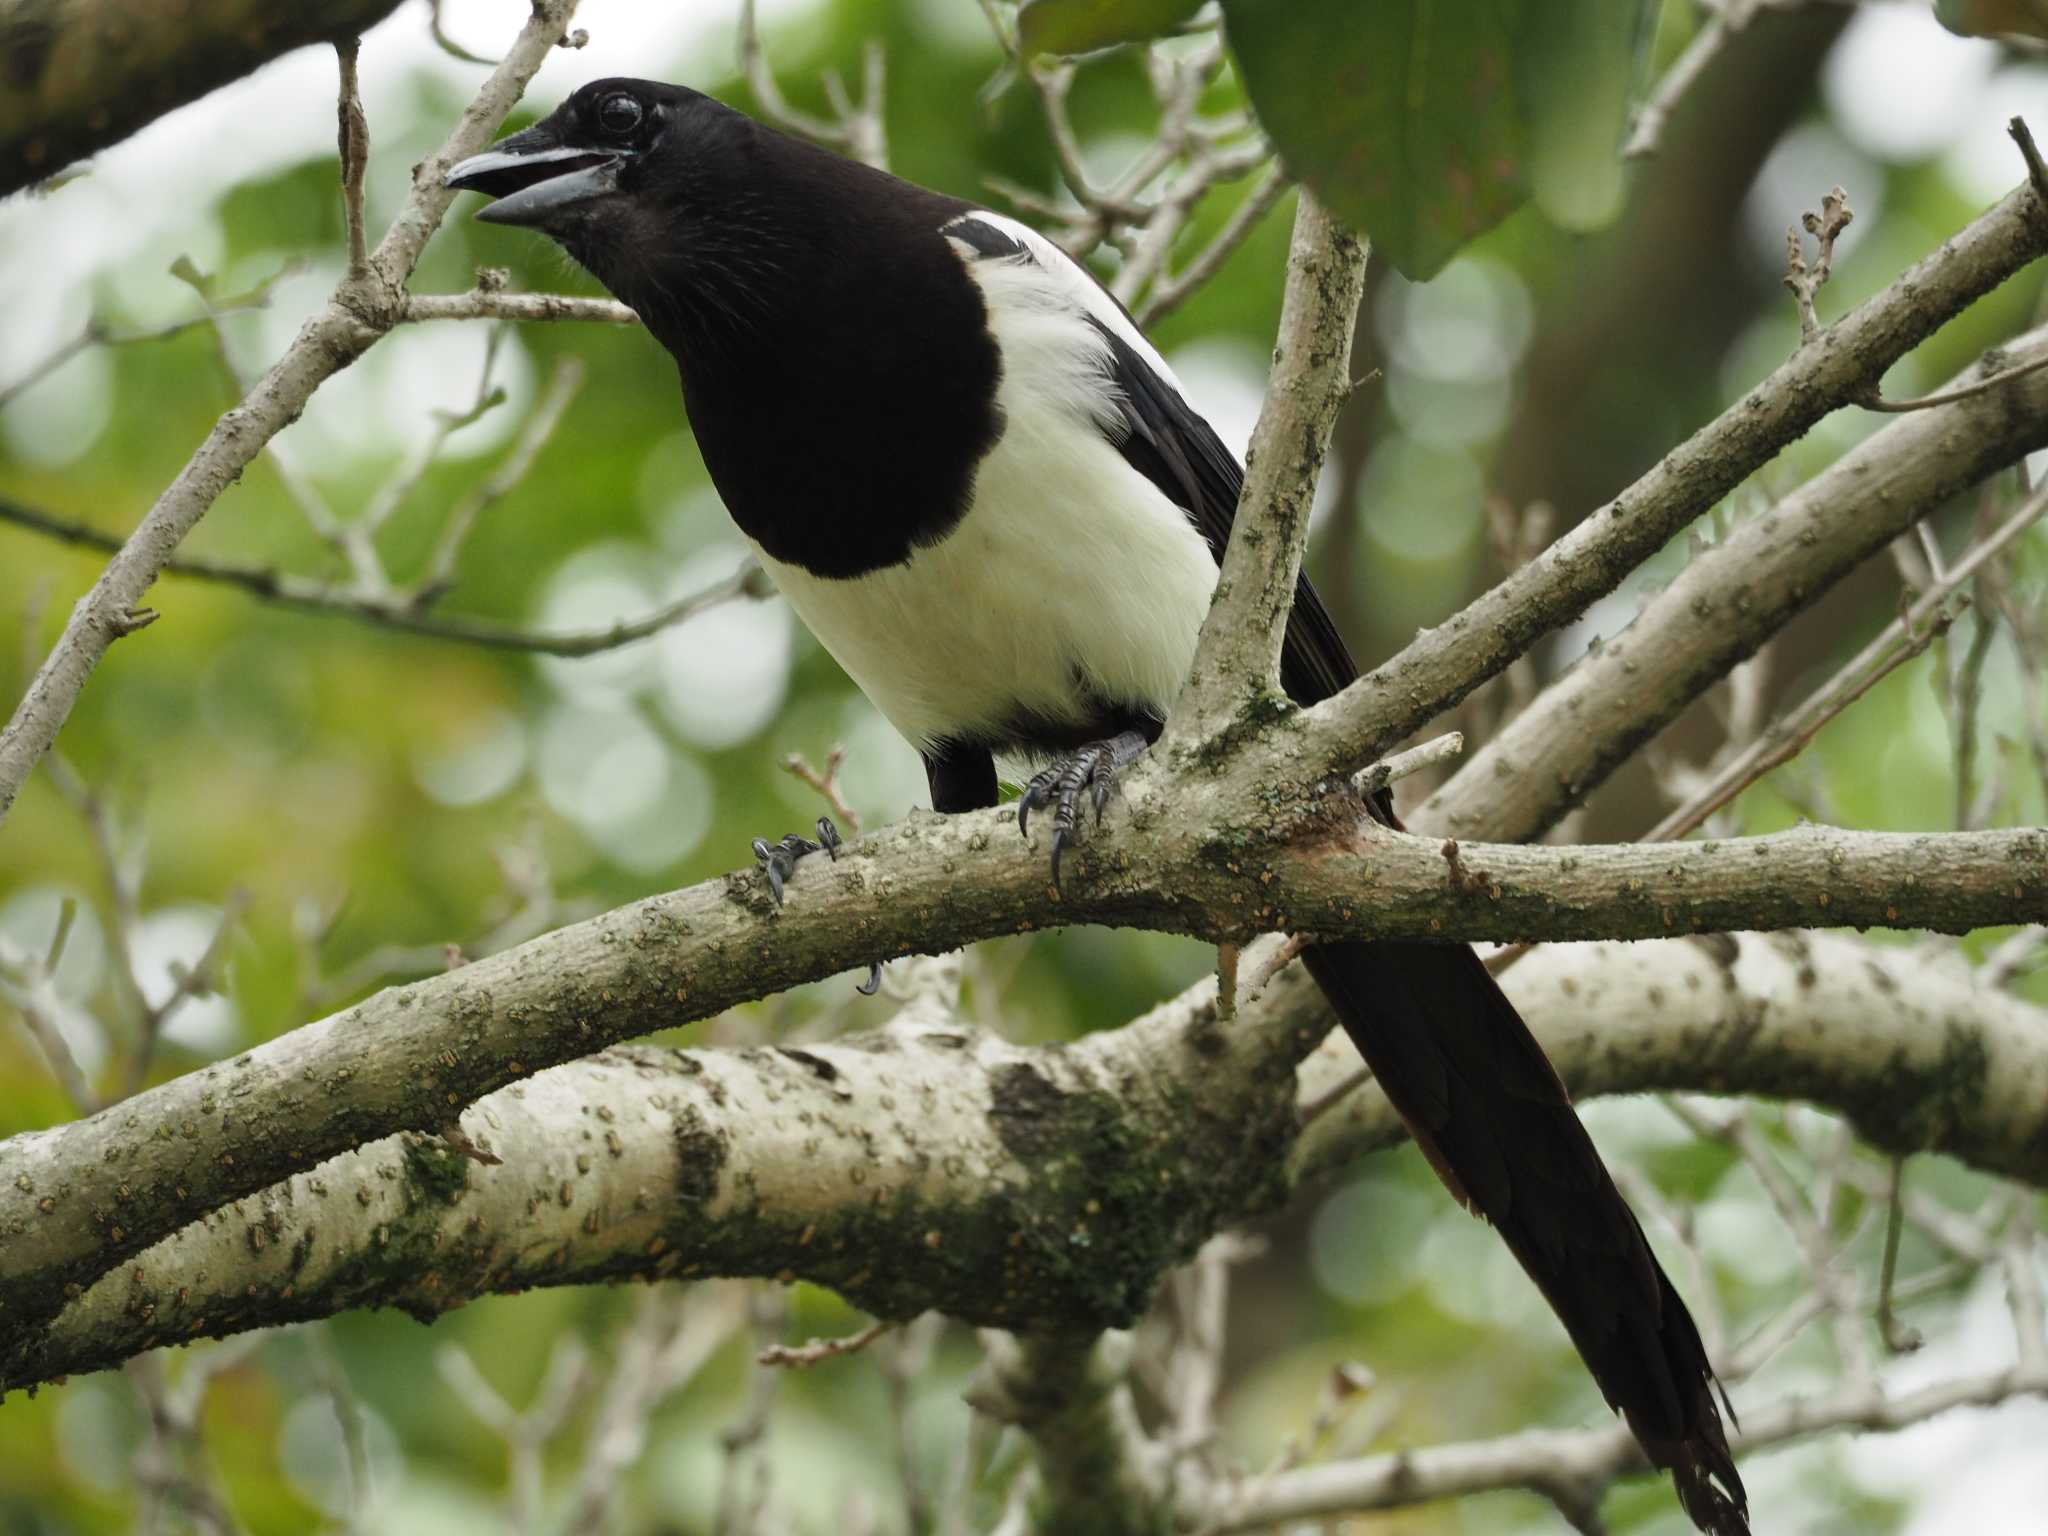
x: 360, y: 310
x: 1916, y: 1051
x: 1733, y: 597
x: 83, y: 74
x: 1838, y: 367
x: 416, y: 1056
x: 825, y: 1162
x: 926, y: 1165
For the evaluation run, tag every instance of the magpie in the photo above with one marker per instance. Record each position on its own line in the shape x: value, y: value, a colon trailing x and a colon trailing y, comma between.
x: 990, y: 499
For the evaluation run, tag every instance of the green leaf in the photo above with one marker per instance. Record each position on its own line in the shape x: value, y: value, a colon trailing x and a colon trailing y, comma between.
x: 1423, y: 123
x: 1993, y: 18
x: 1082, y: 26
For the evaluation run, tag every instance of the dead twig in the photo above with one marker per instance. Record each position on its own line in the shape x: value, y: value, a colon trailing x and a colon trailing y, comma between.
x: 1805, y: 281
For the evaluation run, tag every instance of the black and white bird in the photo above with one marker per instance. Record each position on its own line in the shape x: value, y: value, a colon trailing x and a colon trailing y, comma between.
x: 990, y: 499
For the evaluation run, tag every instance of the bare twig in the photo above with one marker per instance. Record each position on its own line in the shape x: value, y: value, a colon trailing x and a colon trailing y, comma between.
x: 437, y: 29
x: 1169, y: 293
x: 1720, y: 28
x: 540, y: 426
x: 1998, y: 381
x: 2037, y: 170
x: 29, y: 984
x: 353, y: 139
x: 491, y: 303
x: 1431, y: 753
x: 399, y: 611
x: 98, y: 333
x: 1805, y: 281
x: 195, y: 980
x: 1898, y: 1338
x: 857, y: 129
x: 826, y: 784
x: 817, y: 1351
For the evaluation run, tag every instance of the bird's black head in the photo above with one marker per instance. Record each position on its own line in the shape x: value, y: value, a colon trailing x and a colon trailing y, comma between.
x: 602, y: 172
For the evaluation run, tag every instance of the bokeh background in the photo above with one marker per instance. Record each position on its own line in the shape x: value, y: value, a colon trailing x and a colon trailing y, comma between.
x: 363, y: 798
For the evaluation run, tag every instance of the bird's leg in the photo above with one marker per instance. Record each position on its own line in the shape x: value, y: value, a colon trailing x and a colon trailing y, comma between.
x: 778, y: 863
x: 1089, y: 772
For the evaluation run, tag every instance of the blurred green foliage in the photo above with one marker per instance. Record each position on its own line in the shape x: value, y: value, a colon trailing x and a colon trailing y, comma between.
x: 370, y: 787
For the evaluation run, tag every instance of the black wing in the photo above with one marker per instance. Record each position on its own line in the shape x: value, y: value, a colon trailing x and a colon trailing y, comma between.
x: 1173, y: 447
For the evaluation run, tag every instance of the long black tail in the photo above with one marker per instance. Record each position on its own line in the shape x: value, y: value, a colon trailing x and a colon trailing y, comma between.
x: 1488, y: 1111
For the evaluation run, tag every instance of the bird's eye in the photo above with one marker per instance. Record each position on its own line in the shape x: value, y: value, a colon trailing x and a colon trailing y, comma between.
x: 619, y: 114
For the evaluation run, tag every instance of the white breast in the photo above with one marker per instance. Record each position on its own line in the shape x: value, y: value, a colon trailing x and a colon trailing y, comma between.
x: 1070, y: 579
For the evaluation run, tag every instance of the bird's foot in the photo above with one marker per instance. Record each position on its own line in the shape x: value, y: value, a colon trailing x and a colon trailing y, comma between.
x: 1088, y: 772
x: 778, y: 860
x: 778, y: 863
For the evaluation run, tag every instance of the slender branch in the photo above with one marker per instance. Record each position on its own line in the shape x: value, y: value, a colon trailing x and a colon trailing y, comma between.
x: 1895, y: 644
x: 1720, y: 28
x: 1577, y: 1463
x: 401, y: 611
x: 1730, y: 599
x: 97, y: 333
x: 1442, y: 665
x: 359, y: 311
x: 857, y: 129
x: 540, y: 426
x: 1238, y: 657
x: 1934, y: 402
x: 1168, y: 295
x: 1805, y: 281
x: 492, y: 304
x: 353, y: 141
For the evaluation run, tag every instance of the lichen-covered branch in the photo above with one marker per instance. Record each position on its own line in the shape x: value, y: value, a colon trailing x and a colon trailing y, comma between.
x: 927, y: 1165
x: 1917, y: 1052
x: 931, y: 1165
x: 1838, y: 367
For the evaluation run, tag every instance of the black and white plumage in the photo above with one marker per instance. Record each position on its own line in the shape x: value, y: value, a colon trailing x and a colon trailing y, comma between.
x: 990, y: 499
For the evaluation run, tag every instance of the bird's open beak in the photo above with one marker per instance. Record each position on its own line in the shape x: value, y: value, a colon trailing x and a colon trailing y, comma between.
x: 533, y: 182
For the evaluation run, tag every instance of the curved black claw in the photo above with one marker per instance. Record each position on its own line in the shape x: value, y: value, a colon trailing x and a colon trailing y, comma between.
x: 1088, y: 771
x: 778, y: 860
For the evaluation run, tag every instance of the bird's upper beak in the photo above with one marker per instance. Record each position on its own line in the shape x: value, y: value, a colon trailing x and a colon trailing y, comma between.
x: 534, y: 178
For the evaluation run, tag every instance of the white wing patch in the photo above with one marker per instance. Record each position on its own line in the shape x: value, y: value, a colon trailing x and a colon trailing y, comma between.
x: 1067, y: 277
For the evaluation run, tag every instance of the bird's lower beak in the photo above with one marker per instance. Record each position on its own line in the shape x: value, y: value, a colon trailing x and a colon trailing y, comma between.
x: 532, y: 186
